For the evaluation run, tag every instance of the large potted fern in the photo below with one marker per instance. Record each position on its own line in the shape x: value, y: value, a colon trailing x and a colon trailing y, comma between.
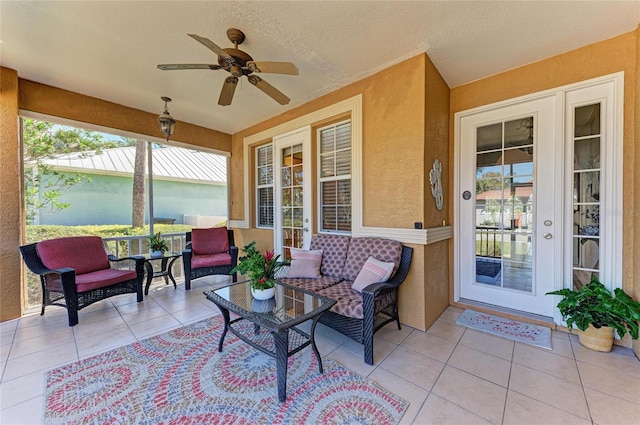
x: 597, y: 313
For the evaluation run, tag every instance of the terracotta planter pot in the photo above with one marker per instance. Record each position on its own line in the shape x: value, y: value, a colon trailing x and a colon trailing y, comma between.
x: 597, y: 339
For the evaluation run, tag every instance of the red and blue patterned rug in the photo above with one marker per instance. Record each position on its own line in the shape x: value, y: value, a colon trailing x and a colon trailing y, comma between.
x: 179, y: 377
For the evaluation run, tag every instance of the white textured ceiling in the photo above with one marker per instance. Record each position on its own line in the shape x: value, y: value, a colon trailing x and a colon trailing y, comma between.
x: 110, y: 49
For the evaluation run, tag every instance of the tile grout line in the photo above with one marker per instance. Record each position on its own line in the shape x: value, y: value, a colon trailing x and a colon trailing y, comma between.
x: 504, y: 409
x: 584, y: 393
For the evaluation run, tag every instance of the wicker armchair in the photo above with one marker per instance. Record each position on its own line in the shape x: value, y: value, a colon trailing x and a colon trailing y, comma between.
x: 76, y: 272
x: 209, y: 252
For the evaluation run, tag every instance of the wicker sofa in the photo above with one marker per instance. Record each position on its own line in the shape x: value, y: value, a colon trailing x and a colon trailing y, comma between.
x: 358, y: 315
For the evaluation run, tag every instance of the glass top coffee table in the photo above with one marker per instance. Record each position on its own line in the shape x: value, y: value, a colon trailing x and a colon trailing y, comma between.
x: 271, y: 325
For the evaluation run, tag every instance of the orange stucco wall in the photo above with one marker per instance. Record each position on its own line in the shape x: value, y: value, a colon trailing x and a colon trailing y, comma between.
x: 635, y: 193
x: 606, y: 57
x: 436, y: 135
x: 402, y: 128
x: 53, y: 101
x: 10, y: 229
x: 393, y: 134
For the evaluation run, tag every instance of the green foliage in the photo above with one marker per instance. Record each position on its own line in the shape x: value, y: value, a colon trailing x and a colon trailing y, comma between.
x: 156, y: 243
x: 489, y: 180
x: 594, y: 304
x: 42, y: 141
x: 259, y: 267
x: 37, y: 233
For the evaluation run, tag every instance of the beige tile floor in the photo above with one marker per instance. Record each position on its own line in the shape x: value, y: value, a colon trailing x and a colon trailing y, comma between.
x: 449, y: 374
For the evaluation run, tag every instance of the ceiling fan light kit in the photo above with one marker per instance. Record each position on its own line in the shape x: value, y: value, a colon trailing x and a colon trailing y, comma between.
x: 238, y: 64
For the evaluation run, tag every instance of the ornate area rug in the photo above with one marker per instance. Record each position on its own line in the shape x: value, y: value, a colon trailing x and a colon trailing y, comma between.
x: 507, y: 328
x: 180, y: 378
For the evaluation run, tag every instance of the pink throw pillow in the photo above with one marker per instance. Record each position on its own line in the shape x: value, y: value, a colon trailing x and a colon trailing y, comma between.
x: 214, y: 240
x: 305, y: 263
x: 373, y: 271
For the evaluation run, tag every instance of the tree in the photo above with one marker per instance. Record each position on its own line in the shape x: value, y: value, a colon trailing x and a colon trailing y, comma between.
x: 137, y: 219
x: 43, y: 184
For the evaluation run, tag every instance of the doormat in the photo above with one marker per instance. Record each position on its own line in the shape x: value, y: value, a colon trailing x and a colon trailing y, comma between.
x: 179, y: 377
x: 506, y: 328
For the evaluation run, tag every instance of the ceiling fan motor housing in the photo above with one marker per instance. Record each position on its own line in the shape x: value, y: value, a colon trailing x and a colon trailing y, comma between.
x: 238, y: 59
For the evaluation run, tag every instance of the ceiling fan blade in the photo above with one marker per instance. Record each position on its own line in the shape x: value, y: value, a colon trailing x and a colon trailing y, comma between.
x: 273, y: 67
x: 276, y: 94
x: 179, y: 66
x: 229, y: 87
x: 211, y: 46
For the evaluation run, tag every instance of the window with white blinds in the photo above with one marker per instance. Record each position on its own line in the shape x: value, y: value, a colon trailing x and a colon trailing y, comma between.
x: 335, y: 177
x: 264, y: 186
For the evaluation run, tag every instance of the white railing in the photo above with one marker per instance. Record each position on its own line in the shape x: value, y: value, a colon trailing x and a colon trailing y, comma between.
x: 126, y: 246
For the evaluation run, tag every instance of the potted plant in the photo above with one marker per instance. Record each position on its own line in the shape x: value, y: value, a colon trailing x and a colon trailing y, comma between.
x: 260, y: 268
x: 157, y: 245
x: 597, y: 313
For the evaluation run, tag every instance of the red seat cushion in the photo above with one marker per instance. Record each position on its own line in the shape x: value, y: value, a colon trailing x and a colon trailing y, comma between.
x: 102, y: 278
x: 84, y: 254
x: 210, y: 260
x: 214, y: 240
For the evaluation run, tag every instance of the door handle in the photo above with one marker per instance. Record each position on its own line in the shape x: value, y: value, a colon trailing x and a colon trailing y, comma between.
x: 547, y: 236
x: 306, y: 229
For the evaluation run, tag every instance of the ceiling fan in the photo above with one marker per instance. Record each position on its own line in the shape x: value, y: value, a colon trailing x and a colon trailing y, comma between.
x: 239, y: 63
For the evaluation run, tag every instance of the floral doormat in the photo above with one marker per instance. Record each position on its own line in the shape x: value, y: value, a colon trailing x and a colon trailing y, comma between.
x: 179, y: 377
x: 507, y: 328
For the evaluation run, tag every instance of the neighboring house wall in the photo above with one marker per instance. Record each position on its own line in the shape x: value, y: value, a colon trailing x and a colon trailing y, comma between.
x: 107, y: 200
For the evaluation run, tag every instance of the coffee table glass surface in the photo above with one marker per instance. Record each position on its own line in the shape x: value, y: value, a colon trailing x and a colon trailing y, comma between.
x: 271, y: 325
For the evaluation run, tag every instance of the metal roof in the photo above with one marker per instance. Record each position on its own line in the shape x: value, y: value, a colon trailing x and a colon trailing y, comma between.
x: 169, y: 163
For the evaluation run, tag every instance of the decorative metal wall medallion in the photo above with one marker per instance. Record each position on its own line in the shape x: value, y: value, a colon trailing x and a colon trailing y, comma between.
x: 435, y: 177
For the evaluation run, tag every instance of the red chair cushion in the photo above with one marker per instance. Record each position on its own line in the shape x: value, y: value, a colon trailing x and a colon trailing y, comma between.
x: 210, y: 260
x: 102, y: 278
x: 209, y: 241
x: 84, y: 254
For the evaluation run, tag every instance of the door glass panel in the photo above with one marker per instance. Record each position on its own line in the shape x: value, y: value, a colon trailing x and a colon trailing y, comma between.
x: 586, y: 194
x: 489, y: 137
x: 504, y: 200
x: 587, y: 120
x: 587, y: 153
x: 292, y: 198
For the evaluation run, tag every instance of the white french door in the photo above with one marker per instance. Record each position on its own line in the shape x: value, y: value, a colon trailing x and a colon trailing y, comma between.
x: 292, y: 168
x: 510, y: 227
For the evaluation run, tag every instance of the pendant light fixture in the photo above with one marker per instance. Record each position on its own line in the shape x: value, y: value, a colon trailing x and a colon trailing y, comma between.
x: 167, y: 123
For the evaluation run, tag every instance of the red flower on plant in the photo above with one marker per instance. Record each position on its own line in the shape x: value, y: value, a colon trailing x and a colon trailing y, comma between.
x: 268, y: 255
